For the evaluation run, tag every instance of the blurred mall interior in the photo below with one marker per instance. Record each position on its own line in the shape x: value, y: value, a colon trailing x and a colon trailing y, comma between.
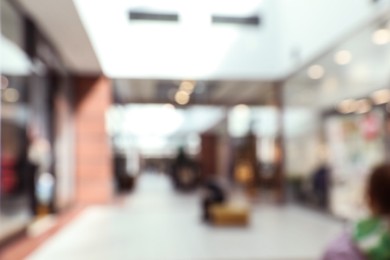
x: 119, y: 119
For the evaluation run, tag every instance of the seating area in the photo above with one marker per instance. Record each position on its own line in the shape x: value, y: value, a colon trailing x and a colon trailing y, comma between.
x: 230, y: 214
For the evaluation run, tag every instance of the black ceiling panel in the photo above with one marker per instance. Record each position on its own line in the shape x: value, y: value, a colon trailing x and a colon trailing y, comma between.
x: 149, y: 16
x: 224, y: 19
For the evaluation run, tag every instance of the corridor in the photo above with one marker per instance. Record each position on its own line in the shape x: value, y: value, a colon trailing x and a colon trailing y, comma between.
x: 257, y: 101
x: 154, y: 222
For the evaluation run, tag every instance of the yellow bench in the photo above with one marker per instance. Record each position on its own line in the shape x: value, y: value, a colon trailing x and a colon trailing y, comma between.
x: 230, y: 214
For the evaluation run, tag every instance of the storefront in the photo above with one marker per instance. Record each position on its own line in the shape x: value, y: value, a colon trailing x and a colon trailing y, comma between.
x: 15, y: 68
x: 356, y: 144
x: 347, y: 95
x: 36, y: 125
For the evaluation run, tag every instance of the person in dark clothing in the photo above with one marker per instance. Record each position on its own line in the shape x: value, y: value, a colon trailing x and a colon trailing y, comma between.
x: 321, y: 185
x: 181, y: 156
x: 214, y: 194
x: 184, y: 171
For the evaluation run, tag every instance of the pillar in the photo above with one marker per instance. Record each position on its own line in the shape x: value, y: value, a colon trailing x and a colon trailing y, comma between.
x: 208, y: 155
x: 280, y: 179
x: 94, y: 181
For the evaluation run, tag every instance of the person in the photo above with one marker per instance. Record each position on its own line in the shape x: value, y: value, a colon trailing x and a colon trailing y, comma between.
x: 214, y: 194
x: 184, y: 171
x: 321, y: 185
x: 369, y: 238
x: 41, y: 182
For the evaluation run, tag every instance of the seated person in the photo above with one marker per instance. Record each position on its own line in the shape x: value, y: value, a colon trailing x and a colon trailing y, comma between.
x: 370, y: 237
x: 214, y: 194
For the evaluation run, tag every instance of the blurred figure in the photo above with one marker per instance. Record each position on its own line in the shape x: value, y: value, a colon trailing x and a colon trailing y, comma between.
x: 41, y: 181
x: 321, y: 185
x: 370, y: 237
x: 185, y: 174
x: 31, y: 169
x: 214, y: 194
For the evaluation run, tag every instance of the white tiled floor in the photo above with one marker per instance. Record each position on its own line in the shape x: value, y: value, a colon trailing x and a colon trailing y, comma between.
x: 156, y: 223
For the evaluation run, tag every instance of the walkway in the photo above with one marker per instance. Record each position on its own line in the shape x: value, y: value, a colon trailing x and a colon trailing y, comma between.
x: 156, y: 223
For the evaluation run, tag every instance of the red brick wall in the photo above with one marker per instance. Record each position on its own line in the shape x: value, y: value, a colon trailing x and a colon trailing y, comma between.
x: 94, y: 181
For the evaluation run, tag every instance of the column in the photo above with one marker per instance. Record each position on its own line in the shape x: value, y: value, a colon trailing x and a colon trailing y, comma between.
x: 280, y: 145
x: 208, y: 155
x: 94, y: 177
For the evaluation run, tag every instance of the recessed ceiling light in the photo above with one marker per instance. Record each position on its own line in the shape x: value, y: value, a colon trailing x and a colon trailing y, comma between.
x: 363, y: 106
x: 381, y: 37
x: 347, y: 106
x: 187, y: 86
x: 315, y: 72
x: 343, y: 57
x: 182, y: 97
x: 11, y: 95
x: 381, y: 96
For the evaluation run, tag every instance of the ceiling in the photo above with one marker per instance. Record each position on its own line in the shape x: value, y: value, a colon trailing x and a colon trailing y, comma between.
x: 191, y: 47
x: 366, y: 72
x: 231, y: 64
x: 61, y: 23
x: 98, y: 37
